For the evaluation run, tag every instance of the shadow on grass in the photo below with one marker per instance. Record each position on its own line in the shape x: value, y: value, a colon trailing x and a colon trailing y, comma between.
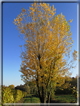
x: 31, y: 96
x: 55, y: 101
x: 28, y: 99
x: 31, y: 99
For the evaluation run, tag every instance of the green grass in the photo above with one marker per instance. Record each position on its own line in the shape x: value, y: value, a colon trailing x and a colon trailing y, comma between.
x: 31, y: 99
x: 58, y: 99
x: 64, y: 99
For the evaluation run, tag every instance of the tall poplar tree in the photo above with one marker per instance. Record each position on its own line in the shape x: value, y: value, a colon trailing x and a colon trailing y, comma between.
x: 47, y: 42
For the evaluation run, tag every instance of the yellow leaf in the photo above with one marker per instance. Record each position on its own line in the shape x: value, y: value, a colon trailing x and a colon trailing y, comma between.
x: 23, y: 10
x: 70, y: 20
x: 31, y: 4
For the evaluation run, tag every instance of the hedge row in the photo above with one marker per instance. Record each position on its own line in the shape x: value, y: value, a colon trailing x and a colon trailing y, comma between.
x: 75, y: 92
x: 67, y: 91
x: 64, y: 91
x: 12, y: 95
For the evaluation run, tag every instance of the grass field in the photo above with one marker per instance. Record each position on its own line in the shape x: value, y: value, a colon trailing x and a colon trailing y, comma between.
x: 58, y: 99
x: 31, y: 99
x: 64, y: 99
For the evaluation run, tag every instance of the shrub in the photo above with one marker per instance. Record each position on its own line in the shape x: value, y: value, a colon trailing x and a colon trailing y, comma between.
x: 7, y: 95
x: 18, y: 95
x: 74, y: 92
x: 11, y: 95
x: 64, y: 91
x: 24, y: 94
x: 11, y: 86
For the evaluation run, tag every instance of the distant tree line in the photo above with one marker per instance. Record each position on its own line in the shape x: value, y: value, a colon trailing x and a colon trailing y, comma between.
x: 66, y: 88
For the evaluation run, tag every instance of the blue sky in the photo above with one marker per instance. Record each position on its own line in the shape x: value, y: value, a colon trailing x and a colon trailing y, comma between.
x: 11, y: 41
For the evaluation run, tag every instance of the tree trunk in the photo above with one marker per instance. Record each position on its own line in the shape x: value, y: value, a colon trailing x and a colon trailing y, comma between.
x: 49, y: 98
x: 45, y: 100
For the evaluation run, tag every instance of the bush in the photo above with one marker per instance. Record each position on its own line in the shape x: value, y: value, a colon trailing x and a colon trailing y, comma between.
x: 27, y: 89
x: 24, y: 94
x: 64, y: 91
x: 11, y: 86
x: 18, y: 95
x: 7, y: 95
x: 74, y: 92
x: 10, y: 95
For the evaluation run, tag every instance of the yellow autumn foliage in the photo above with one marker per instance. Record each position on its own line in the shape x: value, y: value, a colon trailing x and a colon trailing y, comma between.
x: 47, y: 41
